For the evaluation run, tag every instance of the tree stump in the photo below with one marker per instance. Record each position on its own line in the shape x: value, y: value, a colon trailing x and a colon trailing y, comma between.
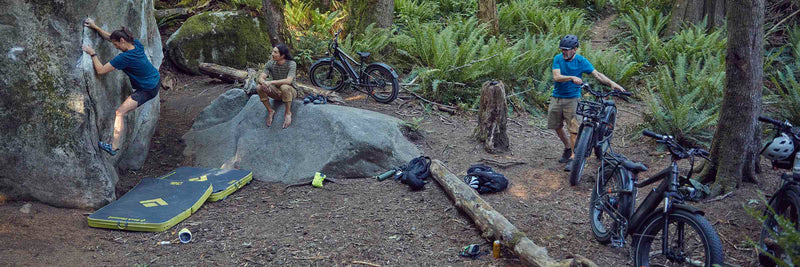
x: 492, y: 118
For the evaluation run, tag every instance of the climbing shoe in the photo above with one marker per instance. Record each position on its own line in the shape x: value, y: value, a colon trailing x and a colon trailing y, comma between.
x: 318, y: 178
x: 565, y: 156
x: 107, y: 148
x: 309, y: 99
x: 320, y: 100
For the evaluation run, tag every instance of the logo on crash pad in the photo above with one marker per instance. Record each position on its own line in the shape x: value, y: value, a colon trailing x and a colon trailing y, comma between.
x: 153, y: 203
x: 199, y: 179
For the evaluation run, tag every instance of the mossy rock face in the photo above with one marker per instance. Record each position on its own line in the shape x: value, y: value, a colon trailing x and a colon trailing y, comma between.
x: 231, y: 39
x: 54, y: 107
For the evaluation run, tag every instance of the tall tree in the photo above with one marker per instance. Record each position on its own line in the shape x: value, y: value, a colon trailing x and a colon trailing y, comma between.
x: 365, y: 12
x: 694, y: 11
x: 487, y: 13
x: 734, y: 151
x: 273, y: 12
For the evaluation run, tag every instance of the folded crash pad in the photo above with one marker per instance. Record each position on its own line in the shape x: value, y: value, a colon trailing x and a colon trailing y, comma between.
x: 153, y: 205
x: 224, y: 182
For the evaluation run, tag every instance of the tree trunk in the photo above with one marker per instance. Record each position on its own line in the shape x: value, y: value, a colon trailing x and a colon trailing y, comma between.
x: 487, y: 13
x: 493, y: 225
x: 694, y: 11
x: 231, y: 75
x: 365, y: 12
x: 492, y: 117
x: 276, y: 24
x: 734, y: 151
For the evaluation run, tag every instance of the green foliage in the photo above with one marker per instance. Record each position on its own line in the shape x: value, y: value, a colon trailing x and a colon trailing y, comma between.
x: 249, y: 4
x: 788, y: 89
x: 445, y: 57
x: 683, y: 102
x: 794, y: 41
x: 627, y: 6
x: 408, y: 11
x: 310, y: 29
x: 520, y: 16
x: 458, y: 7
x: 614, y: 63
x: 371, y: 40
x: 643, y: 29
x: 693, y: 41
x: 787, y: 239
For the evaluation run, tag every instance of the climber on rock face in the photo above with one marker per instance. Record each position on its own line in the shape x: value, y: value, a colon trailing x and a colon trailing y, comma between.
x: 144, y: 78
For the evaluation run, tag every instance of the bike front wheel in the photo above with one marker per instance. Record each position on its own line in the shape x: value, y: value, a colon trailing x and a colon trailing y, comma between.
x: 383, y: 85
x: 582, y: 149
x: 602, y: 203
x: 785, y: 204
x: 327, y: 75
x: 606, y: 132
x: 692, y: 242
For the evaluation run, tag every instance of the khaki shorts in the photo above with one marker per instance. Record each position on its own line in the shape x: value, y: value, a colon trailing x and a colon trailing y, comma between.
x: 560, y: 110
x: 286, y: 93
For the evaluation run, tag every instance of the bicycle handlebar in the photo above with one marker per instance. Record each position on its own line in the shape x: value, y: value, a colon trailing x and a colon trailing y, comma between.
x: 675, y: 148
x: 602, y: 94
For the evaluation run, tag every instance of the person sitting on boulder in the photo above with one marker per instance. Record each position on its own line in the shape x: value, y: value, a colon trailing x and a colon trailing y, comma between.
x: 277, y: 82
x: 144, y: 77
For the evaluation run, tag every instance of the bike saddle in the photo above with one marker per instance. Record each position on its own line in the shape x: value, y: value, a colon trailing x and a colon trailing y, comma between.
x: 363, y: 54
x: 633, y: 166
x: 609, y: 102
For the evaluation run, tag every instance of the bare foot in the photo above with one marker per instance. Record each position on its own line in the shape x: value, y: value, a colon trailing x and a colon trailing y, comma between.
x: 270, y: 115
x: 287, y: 120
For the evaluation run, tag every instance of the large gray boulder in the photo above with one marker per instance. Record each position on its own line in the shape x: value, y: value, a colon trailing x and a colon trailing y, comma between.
x: 54, y: 107
x: 335, y: 140
x: 226, y: 38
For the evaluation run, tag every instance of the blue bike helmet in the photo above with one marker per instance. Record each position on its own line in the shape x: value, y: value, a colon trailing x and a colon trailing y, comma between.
x: 569, y: 42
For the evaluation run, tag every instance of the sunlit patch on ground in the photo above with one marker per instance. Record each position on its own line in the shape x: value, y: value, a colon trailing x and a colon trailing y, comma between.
x: 539, y: 183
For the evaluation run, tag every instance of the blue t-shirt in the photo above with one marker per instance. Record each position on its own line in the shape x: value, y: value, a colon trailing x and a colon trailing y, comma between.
x: 575, y: 67
x: 135, y: 63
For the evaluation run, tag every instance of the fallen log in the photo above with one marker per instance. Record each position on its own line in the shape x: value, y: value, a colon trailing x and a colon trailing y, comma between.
x: 232, y: 75
x: 172, y: 13
x: 494, y: 225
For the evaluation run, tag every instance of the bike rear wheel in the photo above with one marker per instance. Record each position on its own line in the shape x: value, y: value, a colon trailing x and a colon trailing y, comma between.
x: 692, y: 241
x: 786, y: 204
x: 603, y: 224
x: 606, y: 132
x: 327, y: 75
x: 384, y: 86
x: 582, y: 150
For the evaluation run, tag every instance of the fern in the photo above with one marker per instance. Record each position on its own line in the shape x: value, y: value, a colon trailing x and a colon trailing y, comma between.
x: 693, y: 41
x: 408, y: 11
x: 615, y: 64
x: 679, y: 105
x: 643, y: 33
x: 788, y: 88
x: 372, y: 40
x: 520, y: 16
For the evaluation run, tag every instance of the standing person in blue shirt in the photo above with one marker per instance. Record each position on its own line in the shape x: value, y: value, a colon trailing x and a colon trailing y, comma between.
x: 145, y: 78
x: 568, y: 68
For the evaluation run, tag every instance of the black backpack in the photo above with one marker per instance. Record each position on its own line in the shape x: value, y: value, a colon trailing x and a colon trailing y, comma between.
x: 415, y: 173
x: 485, y: 180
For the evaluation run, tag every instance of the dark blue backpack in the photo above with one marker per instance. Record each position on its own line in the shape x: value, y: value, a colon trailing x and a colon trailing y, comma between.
x: 415, y: 173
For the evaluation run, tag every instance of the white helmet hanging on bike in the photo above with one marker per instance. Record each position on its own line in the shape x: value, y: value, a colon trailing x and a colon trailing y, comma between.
x: 780, y: 148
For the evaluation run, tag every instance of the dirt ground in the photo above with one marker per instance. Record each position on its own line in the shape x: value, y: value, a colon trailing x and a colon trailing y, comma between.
x: 362, y: 222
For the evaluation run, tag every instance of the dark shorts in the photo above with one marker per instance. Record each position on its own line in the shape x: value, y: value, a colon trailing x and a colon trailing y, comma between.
x: 142, y: 96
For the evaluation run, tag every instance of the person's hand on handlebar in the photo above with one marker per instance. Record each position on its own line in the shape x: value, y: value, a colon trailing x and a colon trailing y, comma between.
x: 616, y: 86
x: 577, y: 80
